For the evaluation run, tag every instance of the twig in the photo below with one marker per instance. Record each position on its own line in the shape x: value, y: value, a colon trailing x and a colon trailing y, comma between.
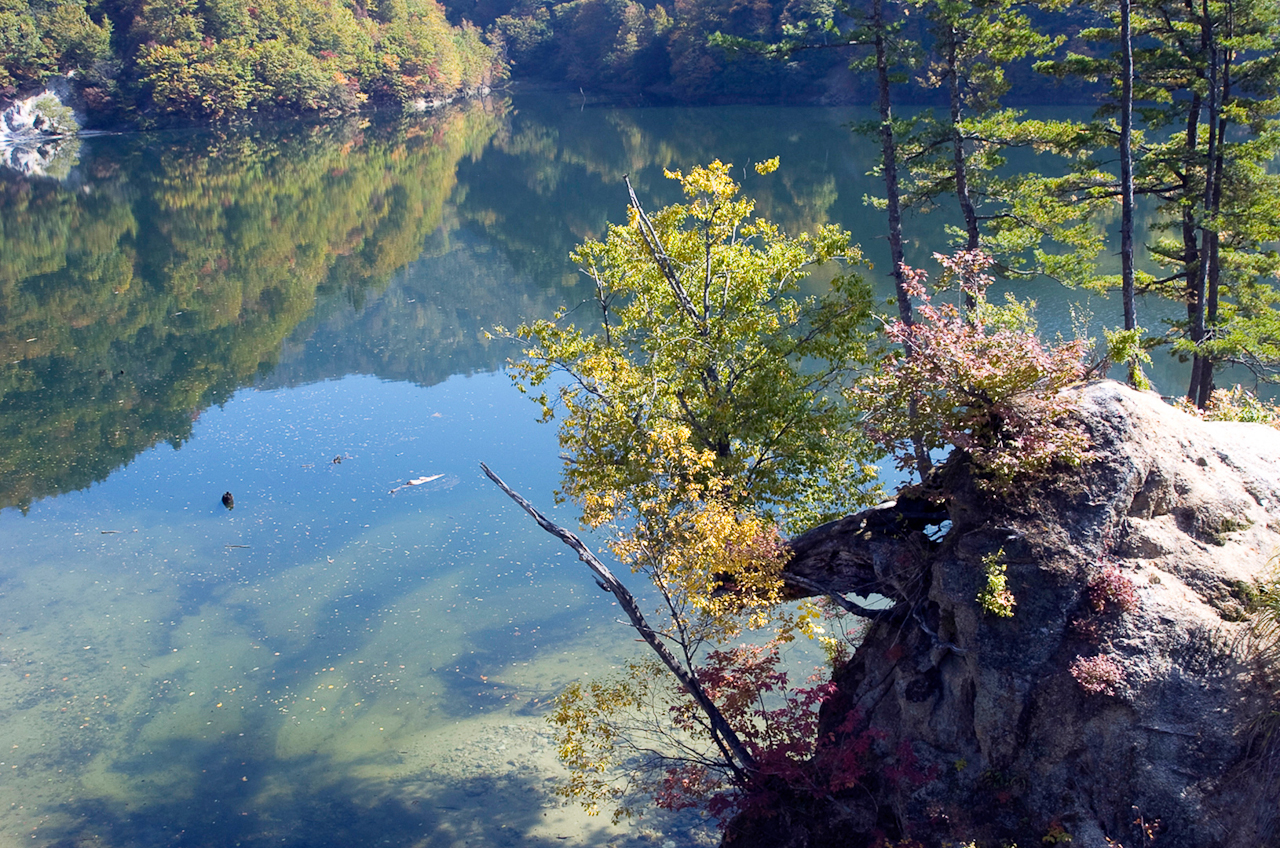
x: 659, y: 254
x: 938, y: 642
x: 605, y: 579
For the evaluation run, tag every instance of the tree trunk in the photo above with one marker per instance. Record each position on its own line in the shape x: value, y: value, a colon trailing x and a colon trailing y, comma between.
x: 960, y: 160
x: 1202, y: 369
x: 1211, y: 258
x: 1126, y: 167
x: 736, y: 755
x: 1190, y: 238
x: 960, y: 163
x: 889, y: 163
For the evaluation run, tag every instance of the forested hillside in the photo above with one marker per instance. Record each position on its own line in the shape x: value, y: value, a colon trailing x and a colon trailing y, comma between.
x: 156, y: 61
x: 653, y: 48
x: 160, y: 59
x: 676, y: 50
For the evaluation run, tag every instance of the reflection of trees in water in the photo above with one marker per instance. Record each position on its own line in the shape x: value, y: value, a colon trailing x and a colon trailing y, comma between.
x: 169, y: 274
x: 40, y: 156
x: 555, y: 177
x: 428, y: 325
x: 551, y: 178
x: 164, y: 274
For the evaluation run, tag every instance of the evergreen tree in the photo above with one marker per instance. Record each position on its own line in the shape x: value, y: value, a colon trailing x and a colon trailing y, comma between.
x: 1204, y: 84
x: 972, y: 45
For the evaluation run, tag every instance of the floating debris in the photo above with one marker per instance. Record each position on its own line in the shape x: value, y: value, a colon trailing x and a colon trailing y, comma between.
x: 422, y: 481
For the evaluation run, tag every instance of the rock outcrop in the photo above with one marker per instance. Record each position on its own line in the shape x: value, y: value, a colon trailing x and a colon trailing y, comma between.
x: 1011, y: 729
x: 37, y: 132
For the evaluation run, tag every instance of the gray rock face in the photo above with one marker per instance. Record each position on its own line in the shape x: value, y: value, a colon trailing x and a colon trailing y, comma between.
x: 37, y: 133
x: 1008, y: 729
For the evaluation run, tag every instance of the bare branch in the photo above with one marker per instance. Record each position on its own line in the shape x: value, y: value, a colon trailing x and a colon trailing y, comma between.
x: 659, y: 254
x: 721, y: 730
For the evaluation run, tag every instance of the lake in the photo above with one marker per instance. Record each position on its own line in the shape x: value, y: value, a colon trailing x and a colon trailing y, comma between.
x: 296, y: 315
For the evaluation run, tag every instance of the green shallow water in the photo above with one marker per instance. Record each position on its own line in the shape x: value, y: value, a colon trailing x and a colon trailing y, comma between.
x: 325, y: 663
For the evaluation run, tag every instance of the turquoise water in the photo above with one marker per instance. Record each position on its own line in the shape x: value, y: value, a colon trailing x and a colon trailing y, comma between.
x: 340, y: 658
x: 313, y: 656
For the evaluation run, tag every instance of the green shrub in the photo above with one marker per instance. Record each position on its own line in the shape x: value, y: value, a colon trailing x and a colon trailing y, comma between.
x: 995, y: 596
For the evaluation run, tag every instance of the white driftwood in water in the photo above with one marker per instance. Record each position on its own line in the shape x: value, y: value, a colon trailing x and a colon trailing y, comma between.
x: 417, y: 481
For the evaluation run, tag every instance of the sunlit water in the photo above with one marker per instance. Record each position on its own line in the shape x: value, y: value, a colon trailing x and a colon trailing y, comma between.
x: 297, y: 316
x: 323, y: 664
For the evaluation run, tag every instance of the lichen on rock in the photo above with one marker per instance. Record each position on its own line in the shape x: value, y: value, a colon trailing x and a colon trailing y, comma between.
x: 1105, y: 721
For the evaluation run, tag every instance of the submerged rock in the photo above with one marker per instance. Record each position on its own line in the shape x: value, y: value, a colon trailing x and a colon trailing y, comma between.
x: 1120, y: 703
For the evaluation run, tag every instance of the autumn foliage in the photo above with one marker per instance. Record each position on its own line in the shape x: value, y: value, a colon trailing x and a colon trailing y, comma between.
x: 705, y: 407
x: 163, y: 59
x: 635, y: 737
x: 977, y: 379
x: 701, y: 411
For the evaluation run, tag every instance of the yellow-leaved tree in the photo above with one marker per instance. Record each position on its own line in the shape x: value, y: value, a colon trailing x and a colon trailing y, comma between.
x: 701, y: 414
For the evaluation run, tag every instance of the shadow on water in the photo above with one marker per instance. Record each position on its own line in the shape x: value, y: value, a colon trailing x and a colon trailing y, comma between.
x: 239, y: 803
x: 476, y: 683
x: 469, y: 687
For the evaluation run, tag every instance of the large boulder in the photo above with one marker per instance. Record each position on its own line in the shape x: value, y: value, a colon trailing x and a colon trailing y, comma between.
x: 1143, y: 720
x: 38, y: 131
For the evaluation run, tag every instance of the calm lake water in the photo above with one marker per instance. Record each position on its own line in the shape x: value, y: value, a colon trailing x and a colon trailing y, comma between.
x: 296, y: 315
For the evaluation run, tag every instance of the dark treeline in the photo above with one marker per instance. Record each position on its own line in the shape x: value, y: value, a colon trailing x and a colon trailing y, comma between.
x: 666, y: 50
x: 160, y: 61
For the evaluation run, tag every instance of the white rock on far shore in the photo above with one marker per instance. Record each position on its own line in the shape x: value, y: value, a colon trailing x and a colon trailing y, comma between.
x: 35, y: 131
